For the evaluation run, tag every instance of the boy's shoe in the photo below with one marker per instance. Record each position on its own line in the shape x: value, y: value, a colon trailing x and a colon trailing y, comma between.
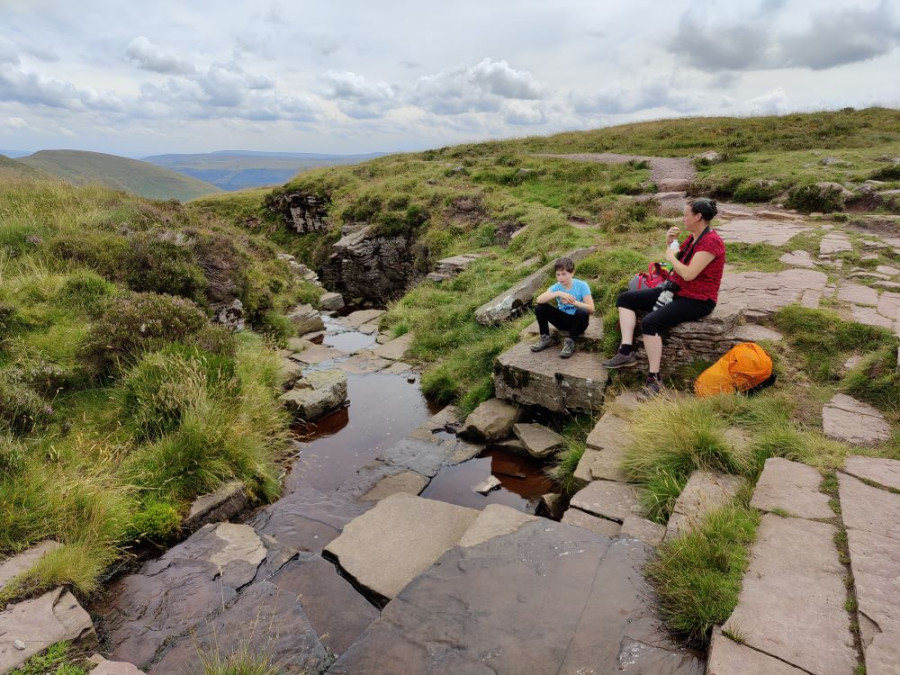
x: 651, y: 388
x: 542, y: 344
x: 568, y: 348
x: 621, y: 360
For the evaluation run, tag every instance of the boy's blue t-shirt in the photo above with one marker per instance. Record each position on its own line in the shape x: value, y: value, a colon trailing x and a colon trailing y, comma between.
x: 579, y: 290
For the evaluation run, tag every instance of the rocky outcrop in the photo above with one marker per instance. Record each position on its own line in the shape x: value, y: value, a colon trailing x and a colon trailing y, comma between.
x: 372, y: 267
x: 317, y: 394
x: 304, y: 213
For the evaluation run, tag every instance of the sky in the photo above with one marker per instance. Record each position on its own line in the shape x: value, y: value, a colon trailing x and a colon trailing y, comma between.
x: 357, y: 76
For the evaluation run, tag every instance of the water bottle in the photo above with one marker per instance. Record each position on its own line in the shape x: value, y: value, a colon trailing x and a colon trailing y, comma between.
x: 674, y: 246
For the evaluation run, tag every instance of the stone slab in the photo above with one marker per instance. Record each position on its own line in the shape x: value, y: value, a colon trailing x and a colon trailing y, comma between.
x: 495, y: 520
x: 363, y: 364
x: 798, y: 259
x: 226, y: 502
x: 640, y: 528
x: 591, y: 338
x: 548, y: 598
x: 756, y: 231
x: 583, y: 470
x: 384, y: 549
x: 611, y: 437
x: 764, y: 293
x: 858, y: 294
x: 870, y: 317
x: 420, y: 456
x: 408, y: 482
x: 360, y: 317
x: 791, y: 604
x: 615, y: 501
x: 885, y: 472
x: 104, y: 667
x: 395, y: 349
x: 792, y: 487
x: 868, y: 508
x: 705, y: 491
x: 538, y: 440
x: 543, y: 379
x: 492, y: 420
x: 847, y: 419
x: 727, y: 657
x: 38, y: 623
x: 752, y: 332
x: 314, y: 354
x: 587, y: 521
x: 17, y: 564
x: 834, y: 243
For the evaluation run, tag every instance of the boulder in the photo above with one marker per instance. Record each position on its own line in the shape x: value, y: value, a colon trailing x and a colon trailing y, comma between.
x: 289, y: 371
x: 306, y: 319
x: 331, y: 302
x: 705, y: 492
x: 231, y: 315
x: 317, y: 394
x: 492, y: 420
x: 540, y: 441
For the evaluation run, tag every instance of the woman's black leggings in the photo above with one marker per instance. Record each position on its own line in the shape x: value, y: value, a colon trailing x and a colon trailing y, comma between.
x: 676, y: 312
x: 575, y: 323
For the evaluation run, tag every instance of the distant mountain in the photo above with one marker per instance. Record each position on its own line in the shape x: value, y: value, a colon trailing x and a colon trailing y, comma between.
x: 15, y: 154
x: 11, y: 167
x: 130, y: 175
x: 239, y: 169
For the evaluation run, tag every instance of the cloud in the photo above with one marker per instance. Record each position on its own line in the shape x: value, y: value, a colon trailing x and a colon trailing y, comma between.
x: 30, y: 88
x: 619, y: 100
x: 832, y: 39
x: 774, y: 102
x: 150, y: 57
x: 523, y: 112
x: 13, y: 123
x: 479, y: 88
x: 358, y: 98
x: 8, y: 52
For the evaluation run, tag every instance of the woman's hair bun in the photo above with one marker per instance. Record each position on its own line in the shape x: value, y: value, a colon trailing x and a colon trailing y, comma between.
x: 705, y: 207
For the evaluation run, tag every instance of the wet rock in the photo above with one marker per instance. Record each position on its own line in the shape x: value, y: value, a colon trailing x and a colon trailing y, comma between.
x: 791, y: 604
x: 492, y: 420
x: 614, y: 501
x: 306, y: 319
x: 578, y: 518
x: 640, y: 528
x: 408, y: 482
x: 757, y: 231
x: 514, y: 301
x: 847, y: 419
x: 361, y: 364
x: 885, y: 472
x: 395, y: 349
x: 727, y: 657
x: 29, y: 627
x: 313, y: 354
x: 231, y: 315
x: 223, y: 504
x: 483, y: 488
x: 705, y: 491
x: 543, y: 379
x: 553, y: 505
x: 384, y: 549
x: 791, y: 487
x: 18, y: 564
x: 317, y: 394
x: 331, y: 302
x: 420, y: 456
x: 105, y: 667
x: 495, y: 520
x: 586, y: 604
x: 539, y: 441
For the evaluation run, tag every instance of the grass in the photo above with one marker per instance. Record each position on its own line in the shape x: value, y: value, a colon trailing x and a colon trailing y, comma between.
x: 60, y: 658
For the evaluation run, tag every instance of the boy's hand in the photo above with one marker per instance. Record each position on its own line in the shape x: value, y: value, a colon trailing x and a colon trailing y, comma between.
x: 566, y: 299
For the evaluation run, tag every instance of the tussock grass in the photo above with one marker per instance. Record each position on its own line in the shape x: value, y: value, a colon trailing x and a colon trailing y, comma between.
x: 60, y: 658
x: 876, y: 381
x: 697, y: 576
x: 77, y: 565
x: 240, y: 661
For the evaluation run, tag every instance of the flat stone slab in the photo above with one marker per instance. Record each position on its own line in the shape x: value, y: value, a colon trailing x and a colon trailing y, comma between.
x: 792, y: 487
x: 858, y: 294
x: 538, y: 440
x: 543, y: 379
x: 226, y: 502
x: 105, y: 667
x: 615, y: 501
x: 408, y: 482
x: 395, y: 349
x: 752, y: 332
x: 705, y: 491
x: 764, y: 293
x: 17, y: 564
x: 39, y: 623
x: 727, y: 657
x: 592, y: 338
x: 756, y: 231
x: 870, y: 316
x: 548, y: 598
x: 495, y: 520
x: 647, y: 531
x: 885, y: 472
x: 314, y: 354
x: 362, y: 364
x: 583, y: 470
x: 847, y: 419
x: 384, y: 549
x: 868, y: 508
x: 834, y: 243
x: 420, y: 456
x: 578, y: 518
x: 492, y: 420
x: 791, y: 604
x: 611, y: 436
x: 798, y: 259
x: 361, y: 317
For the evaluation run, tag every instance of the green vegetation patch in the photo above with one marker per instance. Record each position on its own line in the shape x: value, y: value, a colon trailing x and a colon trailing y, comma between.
x: 60, y: 658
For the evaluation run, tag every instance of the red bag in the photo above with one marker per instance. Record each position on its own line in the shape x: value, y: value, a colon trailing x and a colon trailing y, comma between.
x: 656, y: 274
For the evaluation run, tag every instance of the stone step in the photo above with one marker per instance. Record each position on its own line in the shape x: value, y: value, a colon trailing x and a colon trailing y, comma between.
x: 543, y: 379
x: 791, y: 487
x: 608, y: 499
x: 847, y: 419
x: 705, y: 492
x: 591, y: 339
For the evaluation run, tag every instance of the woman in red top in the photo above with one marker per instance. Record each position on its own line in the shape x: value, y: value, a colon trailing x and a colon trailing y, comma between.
x: 690, y: 293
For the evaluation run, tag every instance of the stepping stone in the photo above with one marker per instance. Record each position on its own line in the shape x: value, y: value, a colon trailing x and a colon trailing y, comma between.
x: 18, y: 564
x: 586, y: 609
x: 868, y: 508
x: 834, y: 243
x: 223, y: 504
x: 408, y: 482
x: 395, y: 349
x: 591, y: 339
x: 420, y: 456
x: 579, y: 518
x: 705, y: 491
x: 363, y: 364
x: 398, y: 368
x: 614, y: 501
x: 792, y: 487
x: 317, y: 394
x: 858, y: 294
x: 727, y: 657
x: 791, y: 604
x: 492, y: 420
x: 611, y: 436
x: 360, y: 317
x: 543, y: 379
x: 313, y: 354
x: 847, y: 419
x: 885, y: 472
x: 647, y: 531
x: 888, y: 270
x: 755, y: 231
x: 798, y: 259
x: 384, y: 549
x: 495, y: 520
x: 538, y: 440
x: 289, y: 371
x: 870, y: 317
x: 29, y: 627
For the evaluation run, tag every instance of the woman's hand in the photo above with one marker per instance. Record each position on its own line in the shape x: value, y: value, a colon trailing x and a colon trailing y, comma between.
x: 671, y: 235
x: 672, y: 256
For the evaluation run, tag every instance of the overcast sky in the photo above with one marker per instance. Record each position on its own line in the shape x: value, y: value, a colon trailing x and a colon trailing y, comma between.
x: 350, y: 76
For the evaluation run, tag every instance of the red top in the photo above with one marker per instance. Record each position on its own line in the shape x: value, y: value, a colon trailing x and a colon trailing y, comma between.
x: 706, y: 285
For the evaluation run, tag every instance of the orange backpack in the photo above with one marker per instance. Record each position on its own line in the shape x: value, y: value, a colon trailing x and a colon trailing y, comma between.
x: 744, y: 367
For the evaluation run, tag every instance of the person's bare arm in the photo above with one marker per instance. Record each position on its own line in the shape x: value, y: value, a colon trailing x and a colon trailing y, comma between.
x: 698, y: 263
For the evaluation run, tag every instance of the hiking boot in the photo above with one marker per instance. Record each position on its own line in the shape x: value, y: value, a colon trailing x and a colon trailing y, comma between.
x: 568, y: 348
x: 542, y: 344
x: 621, y: 360
x: 651, y: 388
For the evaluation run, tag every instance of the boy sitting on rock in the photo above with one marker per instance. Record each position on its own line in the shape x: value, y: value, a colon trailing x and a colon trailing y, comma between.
x: 574, y: 305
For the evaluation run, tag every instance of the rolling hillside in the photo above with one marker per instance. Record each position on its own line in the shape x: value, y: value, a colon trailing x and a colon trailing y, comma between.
x: 119, y: 173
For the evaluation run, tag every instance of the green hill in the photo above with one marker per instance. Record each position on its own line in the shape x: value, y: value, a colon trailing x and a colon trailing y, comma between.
x: 119, y: 173
x: 11, y: 168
